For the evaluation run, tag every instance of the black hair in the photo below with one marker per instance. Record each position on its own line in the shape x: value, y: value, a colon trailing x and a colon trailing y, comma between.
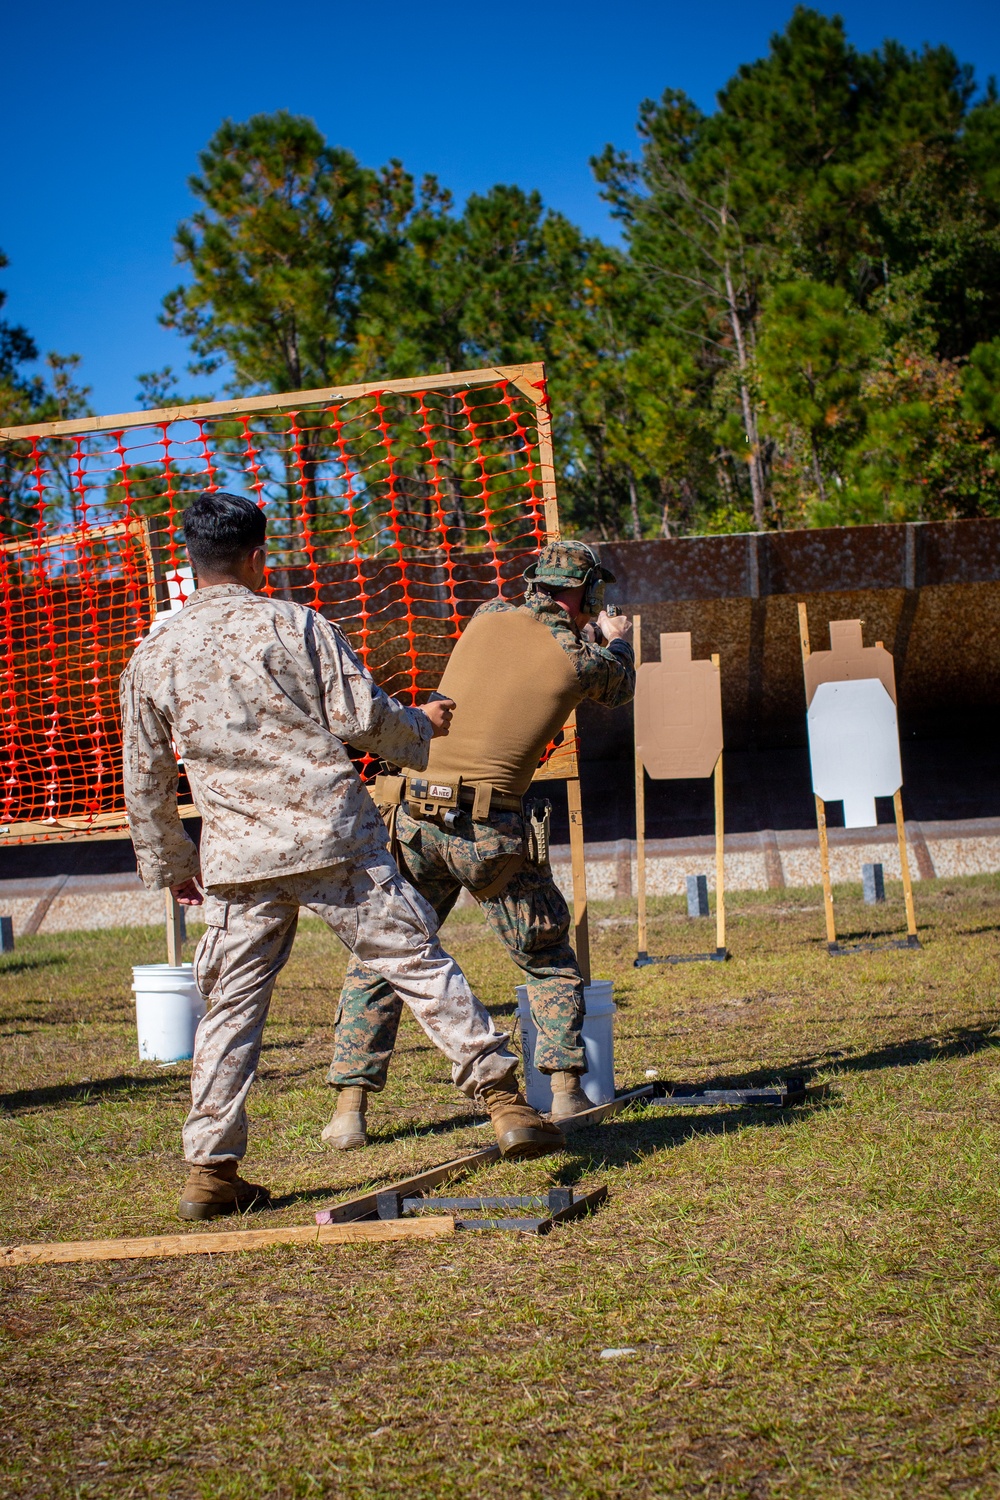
x: 220, y: 528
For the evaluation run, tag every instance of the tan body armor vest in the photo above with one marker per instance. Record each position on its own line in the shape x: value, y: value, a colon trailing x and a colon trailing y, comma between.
x: 514, y: 688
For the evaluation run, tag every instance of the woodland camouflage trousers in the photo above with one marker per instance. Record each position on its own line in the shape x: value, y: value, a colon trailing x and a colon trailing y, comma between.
x: 529, y: 916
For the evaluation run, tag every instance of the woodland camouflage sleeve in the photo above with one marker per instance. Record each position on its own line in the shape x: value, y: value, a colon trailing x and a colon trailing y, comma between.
x: 359, y: 712
x: 165, y: 854
x: 607, y: 673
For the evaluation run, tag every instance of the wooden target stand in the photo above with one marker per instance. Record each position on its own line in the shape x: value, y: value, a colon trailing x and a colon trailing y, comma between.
x: 677, y: 766
x: 835, y: 948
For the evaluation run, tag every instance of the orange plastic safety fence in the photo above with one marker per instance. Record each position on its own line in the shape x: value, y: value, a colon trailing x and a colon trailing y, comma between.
x: 394, y: 513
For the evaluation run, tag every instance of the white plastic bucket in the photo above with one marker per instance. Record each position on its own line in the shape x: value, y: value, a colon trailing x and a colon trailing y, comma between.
x: 168, y: 1007
x: 598, y: 1045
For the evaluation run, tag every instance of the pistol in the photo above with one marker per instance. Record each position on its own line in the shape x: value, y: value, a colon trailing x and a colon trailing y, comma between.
x: 609, y: 609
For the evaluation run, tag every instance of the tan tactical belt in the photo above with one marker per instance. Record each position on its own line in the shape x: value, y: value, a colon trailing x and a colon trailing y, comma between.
x: 432, y: 799
x: 428, y: 798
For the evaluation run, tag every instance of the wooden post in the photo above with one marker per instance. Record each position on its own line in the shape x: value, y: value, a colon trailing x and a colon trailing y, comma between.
x: 720, y: 850
x: 546, y: 459
x: 581, y: 922
x: 640, y: 810
x: 911, y: 916
x: 824, y: 844
x: 824, y: 864
x: 580, y: 919
x: 175, y: 929
x: 904, y: 863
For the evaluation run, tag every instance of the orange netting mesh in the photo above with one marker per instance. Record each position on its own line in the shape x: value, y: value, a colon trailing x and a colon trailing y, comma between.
x: 395, y: 513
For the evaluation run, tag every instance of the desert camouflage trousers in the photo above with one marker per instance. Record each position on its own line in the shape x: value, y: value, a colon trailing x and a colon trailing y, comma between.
x: 247, y: 940
x: 529, y: 916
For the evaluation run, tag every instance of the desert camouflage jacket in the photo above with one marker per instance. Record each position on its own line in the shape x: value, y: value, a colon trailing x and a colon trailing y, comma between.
x: 259, y: 697
x: 606, y: 674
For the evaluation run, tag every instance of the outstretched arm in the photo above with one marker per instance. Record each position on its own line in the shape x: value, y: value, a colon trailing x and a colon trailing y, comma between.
x: 361, y: 714
x: 607, y: 671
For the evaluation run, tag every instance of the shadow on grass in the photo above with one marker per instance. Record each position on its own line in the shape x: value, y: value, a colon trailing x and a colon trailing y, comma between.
x: 415, y: 1131
x: 653, y: 1130
x: 23, y: 965
x: 623, y: 1142
x: 864, y: 934
x: 82, y: 1093
x: 959, y: 1041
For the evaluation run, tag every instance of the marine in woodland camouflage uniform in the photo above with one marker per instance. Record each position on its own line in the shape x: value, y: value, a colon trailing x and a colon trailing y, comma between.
x: 530, y: 914
x: 258, y: 696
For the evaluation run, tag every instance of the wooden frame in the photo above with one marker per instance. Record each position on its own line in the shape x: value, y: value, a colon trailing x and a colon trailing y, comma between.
x: 63, y: 830
x: 529, y: 379
x: 520, y: 375
x: 833, y: 946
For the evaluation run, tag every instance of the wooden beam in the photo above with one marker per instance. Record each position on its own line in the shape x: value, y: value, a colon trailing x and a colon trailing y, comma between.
x: 532, y: 384
x: 581, y: 920
x: 605, y: 1111
x: 911, y: 916
x: 171, y: 1245
x: 42, y: 907
x: 175, y: 929
x: 289, y: 400
x: 114, y: 824
x: 137, y: 527
x: 824, y: 866
x: 720, y: 848
x: 367, y: 1203
x: 640, y: 810
x: 564, y: 762
x: 824, y: 844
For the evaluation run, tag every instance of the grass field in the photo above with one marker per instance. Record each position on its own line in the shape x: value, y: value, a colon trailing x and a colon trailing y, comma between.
x: 811, y: 1297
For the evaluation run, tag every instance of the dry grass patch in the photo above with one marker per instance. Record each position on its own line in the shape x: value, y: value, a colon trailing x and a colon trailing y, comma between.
x: 810, y: 1296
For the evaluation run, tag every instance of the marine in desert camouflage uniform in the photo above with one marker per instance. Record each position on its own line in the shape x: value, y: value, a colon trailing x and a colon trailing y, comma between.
x: 259, y: 697
x: 518, y: 671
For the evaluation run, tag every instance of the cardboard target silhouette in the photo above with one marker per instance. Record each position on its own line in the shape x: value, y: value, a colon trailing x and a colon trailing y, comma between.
x: 678, y: 734
x: 678, y: 712
x: 853, y: 730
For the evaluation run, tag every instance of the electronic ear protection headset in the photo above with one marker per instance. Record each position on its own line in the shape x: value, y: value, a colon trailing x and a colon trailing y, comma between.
x: 593, y: 586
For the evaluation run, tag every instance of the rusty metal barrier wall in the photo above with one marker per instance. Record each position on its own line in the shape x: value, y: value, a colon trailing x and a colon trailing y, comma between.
x: 929, y: 591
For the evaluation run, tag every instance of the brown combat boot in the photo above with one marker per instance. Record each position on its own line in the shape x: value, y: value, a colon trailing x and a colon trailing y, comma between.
x: 346, y: 1131
x: 520, y: 1130
x: 212, y: 1191
x: 568, y: 1098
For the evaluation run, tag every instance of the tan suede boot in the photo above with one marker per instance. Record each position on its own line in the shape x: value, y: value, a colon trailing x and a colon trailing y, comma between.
x: 520, y: 1130
x: 568, y: 1098
x: 346, y: 1131
x: 211, y: 1191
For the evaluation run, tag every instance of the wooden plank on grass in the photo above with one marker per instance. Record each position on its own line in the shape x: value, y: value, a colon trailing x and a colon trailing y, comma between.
x: 164, y: 1245
x: 367, y: 1203
x: 604, y: 1111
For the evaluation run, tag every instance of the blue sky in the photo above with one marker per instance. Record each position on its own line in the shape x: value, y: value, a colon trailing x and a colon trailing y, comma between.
x: 104, y: 109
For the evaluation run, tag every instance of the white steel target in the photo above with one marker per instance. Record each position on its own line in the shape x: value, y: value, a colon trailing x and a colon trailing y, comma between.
x: 854, y: 747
